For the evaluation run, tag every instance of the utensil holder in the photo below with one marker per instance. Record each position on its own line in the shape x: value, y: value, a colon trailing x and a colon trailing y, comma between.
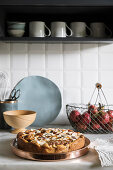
x: 6, y: 106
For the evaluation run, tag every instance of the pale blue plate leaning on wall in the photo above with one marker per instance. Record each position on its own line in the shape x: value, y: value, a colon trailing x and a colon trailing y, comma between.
x: 41, y: 95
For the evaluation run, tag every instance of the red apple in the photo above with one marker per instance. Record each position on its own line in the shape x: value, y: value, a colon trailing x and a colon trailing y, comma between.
x: 110, y: 112
x: 81, y: 126
x: 85, y: 118
x: 107, y: 126
x: 95, y: 126
x: 75, y: 115
x: 103, y: 117
x: 93, y: 109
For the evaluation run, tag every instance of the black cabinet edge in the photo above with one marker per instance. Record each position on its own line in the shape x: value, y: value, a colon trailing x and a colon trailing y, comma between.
x: 56, y: 40
x: 58, y: 2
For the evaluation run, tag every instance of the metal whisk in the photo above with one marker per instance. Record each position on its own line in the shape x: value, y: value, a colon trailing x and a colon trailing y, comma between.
x: 4, y: 81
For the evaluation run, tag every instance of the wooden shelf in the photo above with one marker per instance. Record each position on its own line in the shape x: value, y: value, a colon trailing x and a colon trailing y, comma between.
x: 56, y: 40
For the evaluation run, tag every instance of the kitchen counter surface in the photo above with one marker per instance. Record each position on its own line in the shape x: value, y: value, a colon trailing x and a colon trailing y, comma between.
x: 9, y: 161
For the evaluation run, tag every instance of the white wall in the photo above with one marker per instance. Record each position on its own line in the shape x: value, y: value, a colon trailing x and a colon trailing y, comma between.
x: 75, y: 68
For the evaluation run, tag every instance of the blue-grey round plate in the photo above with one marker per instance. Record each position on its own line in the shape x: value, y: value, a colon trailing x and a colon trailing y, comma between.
x: 40, y: 95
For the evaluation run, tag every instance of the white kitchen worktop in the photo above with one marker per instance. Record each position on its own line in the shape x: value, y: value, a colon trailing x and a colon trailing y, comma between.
x: 9, y: 161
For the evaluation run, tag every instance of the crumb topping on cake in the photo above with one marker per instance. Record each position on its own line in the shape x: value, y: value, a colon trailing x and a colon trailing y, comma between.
x: 51, y: 136
x: 50, y: 140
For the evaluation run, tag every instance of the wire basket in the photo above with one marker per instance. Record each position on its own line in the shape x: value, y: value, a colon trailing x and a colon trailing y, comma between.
x: 92, y: 118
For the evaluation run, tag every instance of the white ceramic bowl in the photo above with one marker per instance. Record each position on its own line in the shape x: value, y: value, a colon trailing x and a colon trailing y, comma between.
x: 16, y: 33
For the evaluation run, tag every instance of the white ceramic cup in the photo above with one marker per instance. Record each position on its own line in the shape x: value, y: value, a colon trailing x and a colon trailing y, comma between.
x: 99, y: 30
x: 37, y: 29
x: 79, y: 29
x: 58, y: 29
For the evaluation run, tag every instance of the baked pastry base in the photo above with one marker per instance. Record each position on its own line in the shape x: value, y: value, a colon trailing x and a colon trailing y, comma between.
x: 52, y: 156
x: 47, y: 148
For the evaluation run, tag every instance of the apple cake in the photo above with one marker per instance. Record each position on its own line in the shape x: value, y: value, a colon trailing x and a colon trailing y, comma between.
x: 50, y: 140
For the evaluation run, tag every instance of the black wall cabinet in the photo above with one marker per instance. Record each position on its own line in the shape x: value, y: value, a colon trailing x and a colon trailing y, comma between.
x: 55, y: 10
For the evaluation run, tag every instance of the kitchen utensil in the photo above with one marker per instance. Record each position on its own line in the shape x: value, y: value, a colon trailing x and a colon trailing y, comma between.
x: 3, y: 84
x: 15, y: 94
x: 16, y: 33
x: 50, y: 157
x: 99, y: 30
x: 6, y: 106
x: 58, y: 29
x: 41, y: 95
x: 37, y: 29
x: 79, y: 29
x: 19, y: 119
x: 92, y: 118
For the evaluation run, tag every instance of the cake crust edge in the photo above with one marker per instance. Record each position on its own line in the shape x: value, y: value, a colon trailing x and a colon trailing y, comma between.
x: 48, y: 149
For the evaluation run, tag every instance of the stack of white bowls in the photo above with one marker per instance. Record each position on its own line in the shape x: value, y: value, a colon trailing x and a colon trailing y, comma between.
x: 16, y: 29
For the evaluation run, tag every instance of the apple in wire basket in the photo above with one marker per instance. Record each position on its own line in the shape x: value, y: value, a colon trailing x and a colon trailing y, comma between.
x: 85, y: 118
x: 75, y: 116
x: 84, y: 121
x: 107, y: 127
x: 110, y: 112
x: 95, y: 125
x: 92, y: 109
x: 103, y: 117
x: 81, y: 126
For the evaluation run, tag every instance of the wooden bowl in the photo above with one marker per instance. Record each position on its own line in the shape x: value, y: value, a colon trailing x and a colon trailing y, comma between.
x: 19, y: 119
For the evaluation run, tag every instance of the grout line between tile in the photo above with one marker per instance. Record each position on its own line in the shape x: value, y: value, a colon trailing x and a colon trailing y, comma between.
x: 62, y: 46
x: 27, y: 59
x: 99, y: 65
x: 45, y: 62
x: 10, y: 65
x: 81, y: 70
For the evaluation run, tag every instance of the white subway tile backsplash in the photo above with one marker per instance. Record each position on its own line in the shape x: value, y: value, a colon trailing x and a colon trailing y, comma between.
x: 71, y: 57
x: 5, y: 78
x: 56, y: 77
x: 5, y: 48
x: 107, y: 78
x: 19, y: 57
x: 72, y: 79
x: 4, y: 56
x: 19, y: 47
x: 72, y: 95
x: 75, y: 68
x: 87, y: 94
x: 18, y: 61
x: 53, y: 57
x: 109, y: 96
x: 71, y: 48
x: 4, y: 62
x: 36, y: 62
x: 16, y: 76
x: 106, y: 48
x: 34, y: 47
x: 89, y: 48
x: 36, y: 57
x: 89, y: 78
x: 36, y: 73
x: 106, y: 61
x: 89, y: 61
